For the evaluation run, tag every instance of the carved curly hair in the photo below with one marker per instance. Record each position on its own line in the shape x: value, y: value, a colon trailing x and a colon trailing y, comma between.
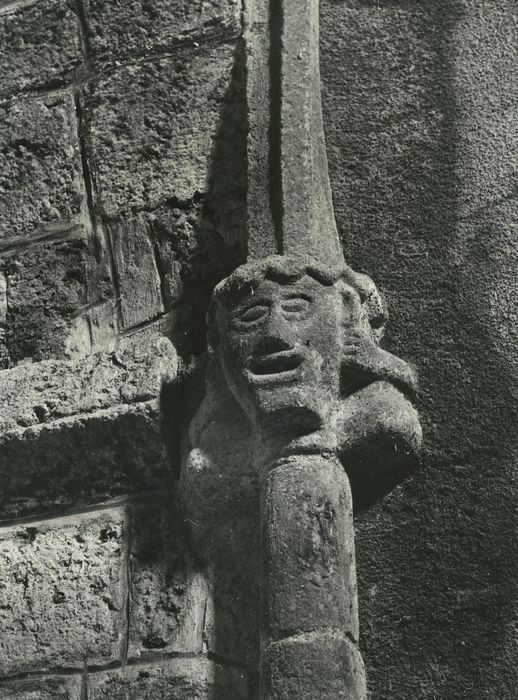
x: 288, y: 269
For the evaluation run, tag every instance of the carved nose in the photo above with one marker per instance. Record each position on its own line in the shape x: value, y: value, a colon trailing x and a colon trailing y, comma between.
x: 277, y: 334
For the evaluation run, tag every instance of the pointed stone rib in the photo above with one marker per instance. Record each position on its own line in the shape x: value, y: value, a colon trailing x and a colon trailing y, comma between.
x: 300, y: 192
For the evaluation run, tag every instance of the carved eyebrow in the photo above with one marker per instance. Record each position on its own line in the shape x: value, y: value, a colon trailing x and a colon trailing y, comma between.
x: 244, y: 307
x: 299, y: 295
x: 250, y: 303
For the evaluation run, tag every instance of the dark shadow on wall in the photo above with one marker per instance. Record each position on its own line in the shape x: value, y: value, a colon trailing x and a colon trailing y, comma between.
x: 438, y: 559
x: 201, y: 241
x: 470, y: 577
x: 219, y: 508
x: 216, y: 497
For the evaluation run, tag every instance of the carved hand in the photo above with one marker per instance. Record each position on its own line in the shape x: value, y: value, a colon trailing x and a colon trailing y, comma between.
x: 364, y: 362
x: 360, y: 350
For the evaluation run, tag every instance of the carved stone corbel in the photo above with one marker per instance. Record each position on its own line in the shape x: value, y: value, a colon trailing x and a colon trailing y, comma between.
x: 299, y: 396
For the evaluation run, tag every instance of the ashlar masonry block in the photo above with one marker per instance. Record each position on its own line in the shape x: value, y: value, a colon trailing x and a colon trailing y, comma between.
x: 101, y: 455
x: 168, y: 592
x: 40, y: 45
x: 119, y: 28
x: 40, y: 182
x: 62, y: 592
x: 139, y: 280
x: 45, y: 287
x: 36, y: 393
x: 45, y: 688
x: 74, y: 432
x: 152, y: 129
x: 175, y: 679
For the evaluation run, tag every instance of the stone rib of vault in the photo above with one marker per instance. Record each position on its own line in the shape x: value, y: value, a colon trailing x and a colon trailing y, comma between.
x: 289, y: 203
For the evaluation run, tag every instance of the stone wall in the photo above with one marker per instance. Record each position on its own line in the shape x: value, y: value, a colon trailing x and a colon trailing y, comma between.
x: 122, y: 181
x: 422, y: 136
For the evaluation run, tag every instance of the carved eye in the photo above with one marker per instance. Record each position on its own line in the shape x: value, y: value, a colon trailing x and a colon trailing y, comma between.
x: 295, y: 306
x: 253, y: 313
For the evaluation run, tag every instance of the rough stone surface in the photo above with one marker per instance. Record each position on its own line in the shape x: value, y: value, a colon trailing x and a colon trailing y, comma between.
x: 167, y: 149
x: 177, y: 679
x: 220, y: 492
x: 308, y: 536
x: 420, y: 141
x: 139, y: 282
x: 62, y: 592
x: 32, y: 394
x: 153, y: 129
x: 315, y: 667
x: 168, y: 591
x: 46, y: 688
x: 39, y: 45
x: 118, y: 30
x: 4, y: 351
x: 194, y: 246
x: 39, y: 165
x: 107, y: 453
x: 46, y: 286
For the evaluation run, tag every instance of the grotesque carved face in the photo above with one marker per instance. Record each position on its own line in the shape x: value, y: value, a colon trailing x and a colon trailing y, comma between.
x: 281, y: 345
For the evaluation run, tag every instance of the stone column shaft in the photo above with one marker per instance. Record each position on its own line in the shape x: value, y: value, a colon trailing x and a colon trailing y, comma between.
x: 310, y: 616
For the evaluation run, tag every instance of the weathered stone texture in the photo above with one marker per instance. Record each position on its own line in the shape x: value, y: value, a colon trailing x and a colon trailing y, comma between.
x: 167, y: 148
x: 308, y: 550
x: 62, y: 592
x: 153, y: 128
x: 221, y: 497
x: 424, y: 164
x: 315, y: 667
x: 194, y: 246
x: 46, y: 688
x: 46, y: 286
x: 39, y: 45
x: 32, y: 394
x: 107, y: 453
x: 121, y: 29
x: 102, y: 412
x: 39, y: 165
x: 139, y: 282
x: 420, y: 144
x: 168, y: 592
x: 4, y: 352
x: 177, y: 679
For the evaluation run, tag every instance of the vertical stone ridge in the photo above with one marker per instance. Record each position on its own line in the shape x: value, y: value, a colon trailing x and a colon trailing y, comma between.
x: 84, y: 683
x: 83, y: 30
x: 290, y: 209
x: 97, y: 231
x: 275, y: 130
x: 90, y: 217
x: 308, y: 225
x: 263, y: 233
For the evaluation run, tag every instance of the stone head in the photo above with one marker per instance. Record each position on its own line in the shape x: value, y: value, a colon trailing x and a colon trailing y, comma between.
x: 277, y: 328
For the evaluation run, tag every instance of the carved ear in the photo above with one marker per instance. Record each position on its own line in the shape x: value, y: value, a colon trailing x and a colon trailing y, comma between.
x: 373, y: 303
x: 377, y: 314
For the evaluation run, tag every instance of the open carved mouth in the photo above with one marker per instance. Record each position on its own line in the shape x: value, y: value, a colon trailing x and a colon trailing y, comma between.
x: 275, y: 364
